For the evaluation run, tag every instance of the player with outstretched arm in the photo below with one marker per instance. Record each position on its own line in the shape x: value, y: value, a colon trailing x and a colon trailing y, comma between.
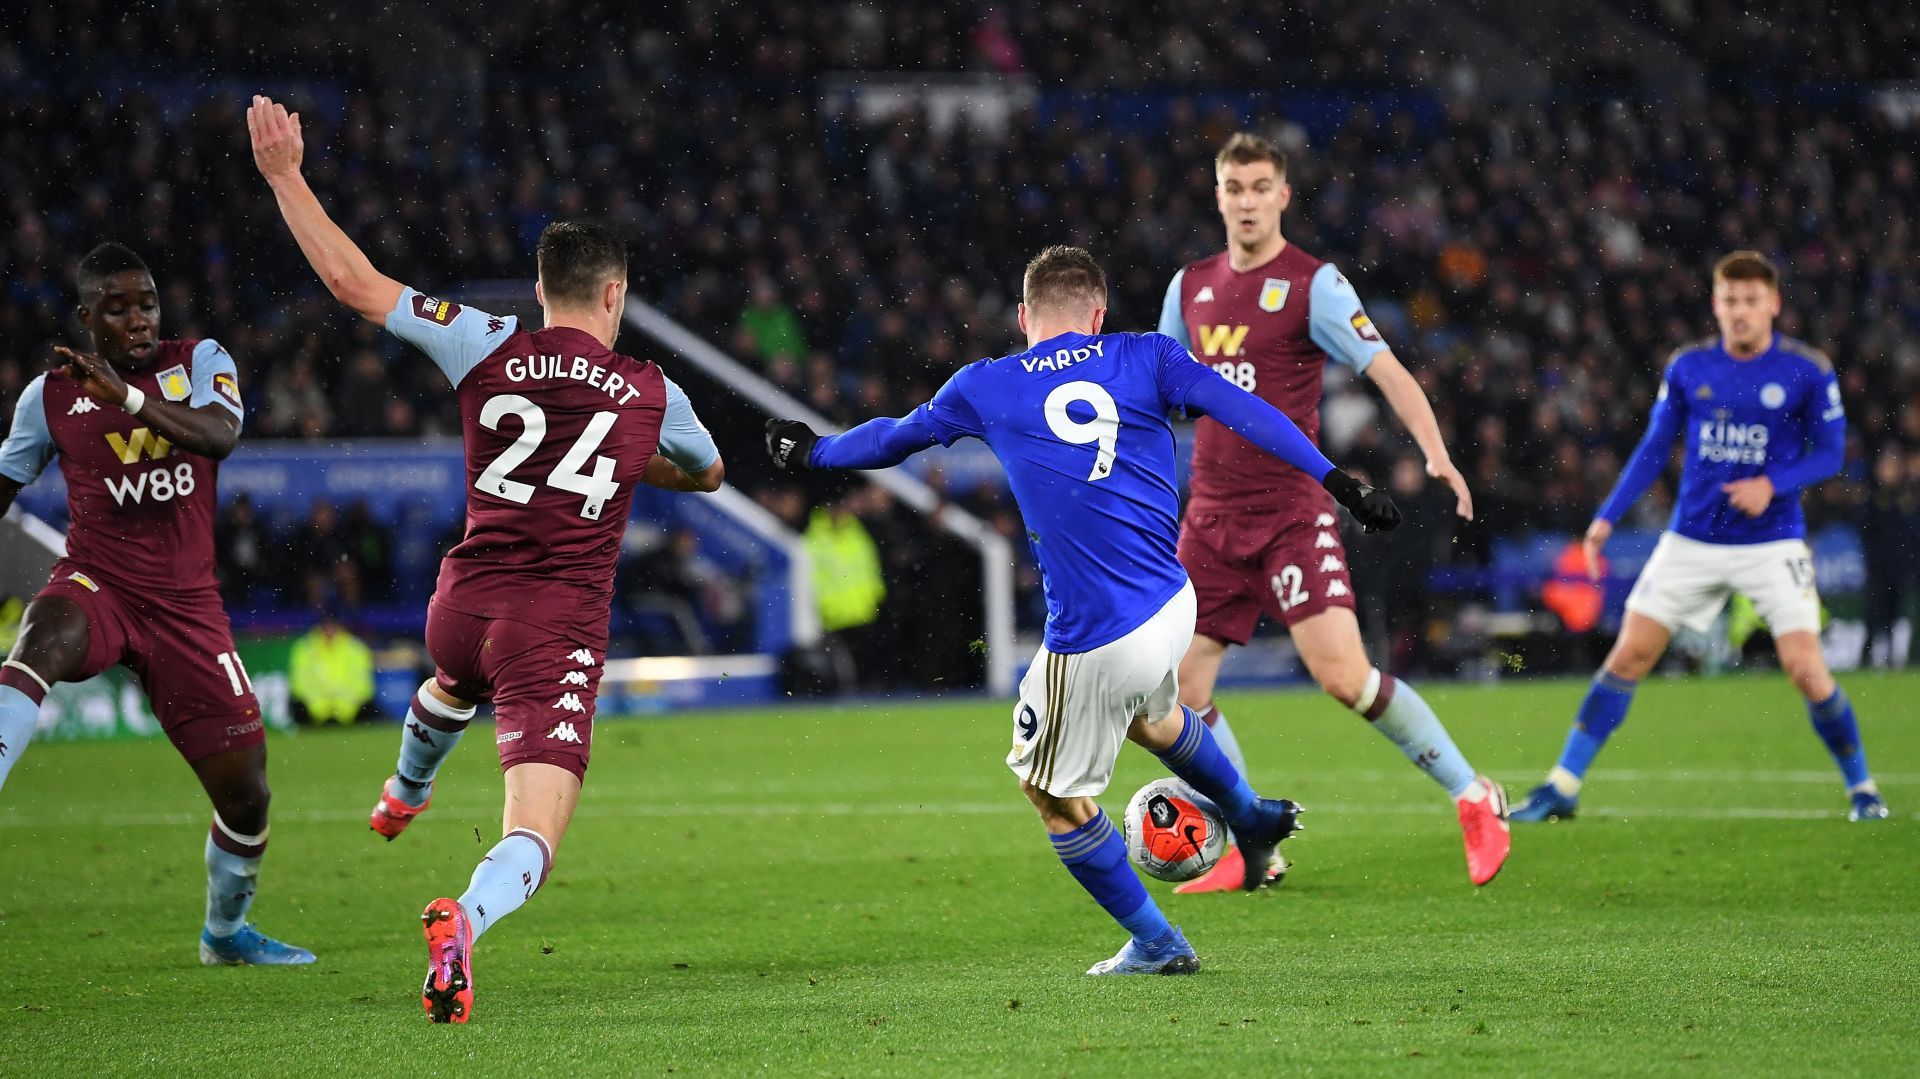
x: 558, y: 428
x: 1763, y: 421
x: 1261, y: 539
x: 1079, y: 421
x: 140, y: 426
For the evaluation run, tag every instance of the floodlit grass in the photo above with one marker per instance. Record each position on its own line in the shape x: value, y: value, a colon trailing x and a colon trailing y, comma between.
x: 862, y: 890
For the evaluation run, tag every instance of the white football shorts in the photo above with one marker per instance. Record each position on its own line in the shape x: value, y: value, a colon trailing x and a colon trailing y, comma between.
x: 1075, y: 708
x: 1687, y: 582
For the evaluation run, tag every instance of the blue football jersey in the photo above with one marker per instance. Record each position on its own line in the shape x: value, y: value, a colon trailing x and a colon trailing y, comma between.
x: 1778, y: 414
x: 1080, y: 425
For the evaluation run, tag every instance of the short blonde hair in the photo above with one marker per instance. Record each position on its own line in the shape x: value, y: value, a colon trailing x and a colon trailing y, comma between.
x: 1246, y: 148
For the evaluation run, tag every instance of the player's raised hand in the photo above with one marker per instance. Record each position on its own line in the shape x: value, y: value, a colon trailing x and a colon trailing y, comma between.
x: 1590, y: 545
x: 1372, y: 507
x: 95, y: 375
x: 790, y: 444
x: 277, y: 146
x: 1750, y: 496
x: 1446, y: 473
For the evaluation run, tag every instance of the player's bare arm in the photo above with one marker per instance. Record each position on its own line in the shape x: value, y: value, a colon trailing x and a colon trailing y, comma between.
x: 342, y: 266
x: 668, y: 476
x: 212, y: 430
x: 1409, y: 402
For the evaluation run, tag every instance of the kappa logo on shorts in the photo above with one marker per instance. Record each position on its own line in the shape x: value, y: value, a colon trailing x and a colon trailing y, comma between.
x: 564, y: 732
x: 244, y: 728
x: 1331, y: 564
x: 1336, y: 589
x: 581, y: 656
x: 570, y: 702
x: 574, y: 678
x: 510, y: 736
x: 1325, y: 520
x: 1325, y: 541
x: 83, y: 581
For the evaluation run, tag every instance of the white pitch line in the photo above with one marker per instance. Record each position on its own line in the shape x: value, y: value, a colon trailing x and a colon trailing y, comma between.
x: 634, y: 810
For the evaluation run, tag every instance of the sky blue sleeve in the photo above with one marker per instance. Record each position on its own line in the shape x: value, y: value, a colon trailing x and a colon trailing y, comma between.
x: 684, y: 440
x: 216, y: 379
x: 455, y: 337
x: 1650, y: 456
x: 1256, y: 421
x: 1172, y: 322
x: 1827, y: 433
x: 29, y: 445
x: 1338, y: 323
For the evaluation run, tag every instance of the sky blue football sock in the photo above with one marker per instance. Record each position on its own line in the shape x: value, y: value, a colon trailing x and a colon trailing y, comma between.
x: 430, y: 732
x: 1216, y: 722
x: 1197, y: 758
x: 1833, y: 721
x: 1406, y: 720
x: 233, y: 870
x: 1603, y: 709
x: 507, y: 877
x: 18, y: 715
x: 1097, y: 857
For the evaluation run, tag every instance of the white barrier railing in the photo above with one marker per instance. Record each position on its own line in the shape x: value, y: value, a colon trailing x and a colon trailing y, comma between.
x: 996, y: 555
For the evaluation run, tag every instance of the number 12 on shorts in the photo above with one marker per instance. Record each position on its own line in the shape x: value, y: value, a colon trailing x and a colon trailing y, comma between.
x: 236, y: 672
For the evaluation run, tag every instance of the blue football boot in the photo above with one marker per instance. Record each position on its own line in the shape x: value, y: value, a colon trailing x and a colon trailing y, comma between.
x: 1545, y: 802
x: 248, y: 947
x: 1868, y: 805
x: 1173, y: 956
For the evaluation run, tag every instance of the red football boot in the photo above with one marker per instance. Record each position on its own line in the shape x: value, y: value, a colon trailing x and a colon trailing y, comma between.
x: 1483, y: 827
x: 391, y: 815
x: 1229, y: 874
x: 448, y: 993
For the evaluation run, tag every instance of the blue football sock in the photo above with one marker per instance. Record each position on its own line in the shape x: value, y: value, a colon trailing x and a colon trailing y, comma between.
x: 233, y: 869
x: 1604, y: 709
x: 1396, y: 711
x: 1097, y: 857
x: 507, y: 877
x: 1833, y: 721
x: 431, y: 731
x: 1197, y: 758
x: 19, y: 714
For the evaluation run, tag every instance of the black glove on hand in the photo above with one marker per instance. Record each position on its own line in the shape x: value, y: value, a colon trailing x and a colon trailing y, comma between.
x: 790, y: 443
x: 1371, y: 507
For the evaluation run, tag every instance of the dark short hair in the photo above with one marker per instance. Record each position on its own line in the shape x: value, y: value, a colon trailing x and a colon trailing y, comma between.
x: 103, y: 262
x: 576, y: 258
x: 1246, y: 148
x: 1747, y: 266
x: 1063, y: 276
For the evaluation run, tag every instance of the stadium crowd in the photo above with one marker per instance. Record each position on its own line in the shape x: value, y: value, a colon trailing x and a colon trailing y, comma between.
x: 1533, y: 263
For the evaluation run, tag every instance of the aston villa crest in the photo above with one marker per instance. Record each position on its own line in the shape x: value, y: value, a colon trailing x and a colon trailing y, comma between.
x: 1273, y: 294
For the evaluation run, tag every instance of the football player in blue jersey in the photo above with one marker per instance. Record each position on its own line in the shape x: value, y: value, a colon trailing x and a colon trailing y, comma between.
x: 1763, y: 420
x: 1079, y: 421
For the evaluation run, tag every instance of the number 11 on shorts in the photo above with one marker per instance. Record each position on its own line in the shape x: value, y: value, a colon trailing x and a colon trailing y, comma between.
x: 236, y: 672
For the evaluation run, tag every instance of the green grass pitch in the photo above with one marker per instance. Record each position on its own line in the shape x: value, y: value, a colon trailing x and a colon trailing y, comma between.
x: 862, y: 890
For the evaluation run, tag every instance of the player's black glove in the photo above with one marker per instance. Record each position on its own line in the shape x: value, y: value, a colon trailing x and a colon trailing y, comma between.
x: 790, y: 443
x: 1370, y: 506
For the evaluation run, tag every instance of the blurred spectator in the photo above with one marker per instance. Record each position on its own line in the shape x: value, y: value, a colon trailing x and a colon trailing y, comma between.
x: 848, y: 584
x: 690, y: 592
x: 370, y: 549
x: 769, y: 330
x: 1890, y: 534
x: 330, y: 675
x: 321, y: 559
x: 242, y: 550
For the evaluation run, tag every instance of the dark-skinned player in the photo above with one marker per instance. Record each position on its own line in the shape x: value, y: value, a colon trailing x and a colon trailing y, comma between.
x: 140, y: 426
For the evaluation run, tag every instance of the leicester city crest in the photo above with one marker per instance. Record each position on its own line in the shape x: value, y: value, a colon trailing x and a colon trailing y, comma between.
x: 1273, y: 294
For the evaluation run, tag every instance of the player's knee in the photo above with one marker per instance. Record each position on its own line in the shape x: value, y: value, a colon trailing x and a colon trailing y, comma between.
x: 1345, y: 683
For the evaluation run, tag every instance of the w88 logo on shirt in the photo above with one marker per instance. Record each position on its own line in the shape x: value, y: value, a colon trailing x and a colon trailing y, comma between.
x: 1240, y: 374
x: 162, y: 484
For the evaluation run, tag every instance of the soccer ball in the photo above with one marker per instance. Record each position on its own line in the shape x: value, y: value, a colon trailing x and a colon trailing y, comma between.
x: 1172, y: 833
